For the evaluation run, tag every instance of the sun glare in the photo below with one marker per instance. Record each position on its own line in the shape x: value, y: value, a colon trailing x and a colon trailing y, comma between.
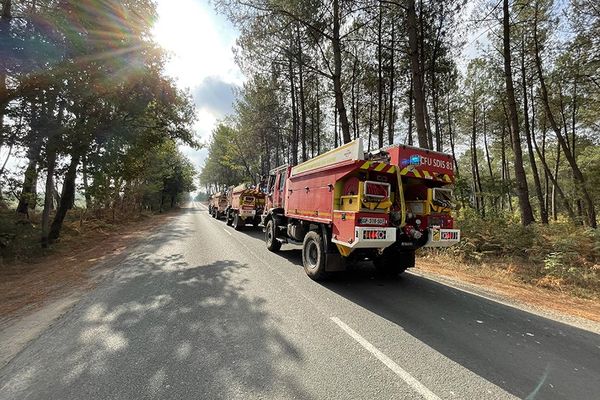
x: 188, y: 32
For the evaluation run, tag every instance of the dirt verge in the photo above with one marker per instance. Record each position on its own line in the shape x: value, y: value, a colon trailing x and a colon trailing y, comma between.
x: 505, y: 284
x: 24, y: 286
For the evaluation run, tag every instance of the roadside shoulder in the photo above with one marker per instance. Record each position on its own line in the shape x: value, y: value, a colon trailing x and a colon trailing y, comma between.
x: 543, y: 306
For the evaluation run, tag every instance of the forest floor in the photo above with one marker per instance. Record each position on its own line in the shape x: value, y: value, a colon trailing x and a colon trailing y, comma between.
x: 31, y: 277
x: 503, y: 281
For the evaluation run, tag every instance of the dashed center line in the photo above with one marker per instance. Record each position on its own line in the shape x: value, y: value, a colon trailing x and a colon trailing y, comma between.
x: 388, y: 362
x: 229, y: 233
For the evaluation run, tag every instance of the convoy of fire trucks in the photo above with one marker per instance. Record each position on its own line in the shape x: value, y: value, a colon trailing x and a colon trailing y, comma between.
x: 346, y: 206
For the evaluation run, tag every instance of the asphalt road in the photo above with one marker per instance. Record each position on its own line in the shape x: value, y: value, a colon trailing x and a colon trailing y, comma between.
x: 200, y: 311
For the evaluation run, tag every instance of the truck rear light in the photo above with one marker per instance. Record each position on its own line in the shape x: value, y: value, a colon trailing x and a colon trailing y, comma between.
x: 374, y: 234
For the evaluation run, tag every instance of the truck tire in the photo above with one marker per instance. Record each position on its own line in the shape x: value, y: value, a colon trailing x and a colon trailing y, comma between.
x: 228, y: 218
x: 237, y: 222
x: 313, y: 256
x: 273, y: 244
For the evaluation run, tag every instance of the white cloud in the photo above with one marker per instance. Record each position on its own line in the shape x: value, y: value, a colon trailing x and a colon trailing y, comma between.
x: 199, y: 40
x: 200, y: 43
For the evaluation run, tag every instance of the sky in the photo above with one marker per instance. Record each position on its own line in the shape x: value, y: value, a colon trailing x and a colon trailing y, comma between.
x: 199, y: 42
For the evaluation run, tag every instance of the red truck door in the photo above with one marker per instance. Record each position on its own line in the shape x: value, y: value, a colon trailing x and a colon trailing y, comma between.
x: 277, y: 187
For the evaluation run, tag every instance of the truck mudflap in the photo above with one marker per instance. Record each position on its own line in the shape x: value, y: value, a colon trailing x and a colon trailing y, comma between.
x: 439, y: 237
x: 370, y: 238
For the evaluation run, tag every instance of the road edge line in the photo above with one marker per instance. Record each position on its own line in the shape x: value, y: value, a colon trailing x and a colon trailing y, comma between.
x: 388, y: 362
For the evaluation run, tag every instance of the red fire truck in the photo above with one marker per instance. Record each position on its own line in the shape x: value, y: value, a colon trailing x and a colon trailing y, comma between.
x: 427, y: 180
x: 338, y: 205
x: 217, y: 203
x: 344, y: 205
x: 245, y: 205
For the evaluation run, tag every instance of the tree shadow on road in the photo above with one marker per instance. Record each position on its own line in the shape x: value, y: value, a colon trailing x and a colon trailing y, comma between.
x: 164, y: 329
x: 523, y: 353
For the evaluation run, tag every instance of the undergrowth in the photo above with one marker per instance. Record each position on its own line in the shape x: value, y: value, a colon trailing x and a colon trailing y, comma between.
x: 560, y: 255
x: 20, y: 239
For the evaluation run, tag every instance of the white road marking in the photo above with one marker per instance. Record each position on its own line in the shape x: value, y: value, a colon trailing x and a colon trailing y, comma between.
x: 405, y: 376
x: 229, y: 233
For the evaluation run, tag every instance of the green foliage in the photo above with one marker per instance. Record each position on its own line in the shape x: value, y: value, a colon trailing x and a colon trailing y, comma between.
x: 225, y: 163
x: 559, y: 254
x: 99, y: 106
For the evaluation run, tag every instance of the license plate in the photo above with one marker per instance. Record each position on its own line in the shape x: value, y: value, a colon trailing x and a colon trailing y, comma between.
x: 372, y: 221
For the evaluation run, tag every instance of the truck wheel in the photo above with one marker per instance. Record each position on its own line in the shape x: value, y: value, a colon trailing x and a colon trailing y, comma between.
x: 228, y: 218
x: 214, y: 213
x: 237, y: 222
x: 313, y: 256
x: 271, y: 238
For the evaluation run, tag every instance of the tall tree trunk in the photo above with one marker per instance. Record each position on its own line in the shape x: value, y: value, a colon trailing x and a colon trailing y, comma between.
x: 27, y: 199
x: 392, y: 110
x: 556, y: 187
x: 335, y: 127
x: 451, y: 140
x: 86, y: 186
x: 357, y: 132
x: 520, y: 178
x: 312, y: 131
x: 417, y: 74
x: 370, y: 122
x: 577, y: 174
x: 302, y: 101
x: 5, y: 17
x: 294, y: 141
x: 410, y: 113
x: 486, y: 147
x: 380, y: 78
x: 503, y: 162
x: 479, y: 200
x: 49, y: 192
x: 337, y: 73
x: 318, y: 119
x: 528, y: 134
x: 556, y: 167
x: 354, y: 99
x: 3, y: 95
x: 67, y: 198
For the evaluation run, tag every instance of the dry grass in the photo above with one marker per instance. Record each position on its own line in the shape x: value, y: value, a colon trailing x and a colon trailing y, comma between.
x: 560, y: 256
